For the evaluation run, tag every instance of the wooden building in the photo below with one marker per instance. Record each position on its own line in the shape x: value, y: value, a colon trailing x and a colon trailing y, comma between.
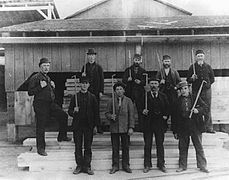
x: 65, y: 42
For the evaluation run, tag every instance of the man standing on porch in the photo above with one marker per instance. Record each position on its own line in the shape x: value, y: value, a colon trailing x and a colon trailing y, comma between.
x: 94, y: 72
x: 135, y: 80
x: 85, y: 121
x: 169, y: 78
x: 196, y: 74
x: 42, y: 88
x: 154, y: 123
x: 120, y: 113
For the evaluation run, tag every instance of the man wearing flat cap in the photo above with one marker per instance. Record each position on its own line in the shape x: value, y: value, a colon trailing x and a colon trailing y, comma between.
x: 186, y: 125
x: 203, y: 71
x: 154, y: 123
x: 94, y: 72
x: 42, y: 88
x: 169, y: 78
x: 135, y: 81
x: 121, y: 126
x: 85, y: 121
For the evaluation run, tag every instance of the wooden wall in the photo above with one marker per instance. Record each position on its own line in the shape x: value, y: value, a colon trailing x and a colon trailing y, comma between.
x: 130, y: 9
x: 22, y: 60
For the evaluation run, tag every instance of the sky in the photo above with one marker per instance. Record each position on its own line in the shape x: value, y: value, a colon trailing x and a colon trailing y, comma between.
x: 197, y: 7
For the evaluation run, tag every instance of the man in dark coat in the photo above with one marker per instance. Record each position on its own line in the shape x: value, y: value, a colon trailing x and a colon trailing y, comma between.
x: 121, y: 126
x: 203, y: 71
x: 41, y: 87
x: 184, y: 127
x: 154, y: 123
x: 85, y: 122
x: 169, y: 78
x: 94, y: 72
x: 134, y: 79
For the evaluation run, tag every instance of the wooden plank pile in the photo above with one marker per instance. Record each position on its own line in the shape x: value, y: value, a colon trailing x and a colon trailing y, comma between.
x: 61, y: 154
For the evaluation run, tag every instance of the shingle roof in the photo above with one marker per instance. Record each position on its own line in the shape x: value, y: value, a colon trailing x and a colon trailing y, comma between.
x: 105, y: 1
x: 117, y: 24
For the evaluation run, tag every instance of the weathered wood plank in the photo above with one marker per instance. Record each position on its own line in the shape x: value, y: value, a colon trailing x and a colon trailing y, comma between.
x: 37, y: 55
x: 56, y: 57
x: 28, y: 60
x: 65, y: 58
x: 9, y: 68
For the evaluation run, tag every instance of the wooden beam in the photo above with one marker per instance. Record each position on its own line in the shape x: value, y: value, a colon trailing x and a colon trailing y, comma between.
x: 112, y: 39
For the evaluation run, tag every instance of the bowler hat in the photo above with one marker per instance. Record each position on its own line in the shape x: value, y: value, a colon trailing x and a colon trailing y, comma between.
x: 91, y: 51
x: 199, y: 51
x: 182, y: 84
x: 84, y: 80
x: 137, y: 56
x: 119, y: 84
x: 154, y: 79
x: 43, y: 60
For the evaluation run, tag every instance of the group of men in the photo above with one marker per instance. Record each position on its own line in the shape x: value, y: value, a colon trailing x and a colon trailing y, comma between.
x: 157, y: 99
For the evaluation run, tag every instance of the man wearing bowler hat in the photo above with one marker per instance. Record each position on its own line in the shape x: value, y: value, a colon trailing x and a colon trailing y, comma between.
x: 154, y: 123
x: 94, y: 72
x: 135, y: 80
x: 186, y: 126
x: 42, y: 88
x: 203, y: 71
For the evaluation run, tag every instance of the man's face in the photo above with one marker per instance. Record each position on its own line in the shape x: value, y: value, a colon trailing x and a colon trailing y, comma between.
x: 44, y: 67
x: 154, y: 85
x: 184, y: 91
x: 166, y: 63
x: 200, y: 57
x: 137, y: 61
x: 119, y: 90
x: 91, y: 58
x: 84, y: 86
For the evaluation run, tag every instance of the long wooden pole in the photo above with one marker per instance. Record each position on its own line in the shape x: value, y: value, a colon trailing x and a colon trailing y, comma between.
x: 113, y: 98
x: 76, y: 100
x: 146, y: 98
x: 129, y: 64
x: 160, y: 67
x: 85, y: 63
x: 197, y: 97
x: 193, y: 63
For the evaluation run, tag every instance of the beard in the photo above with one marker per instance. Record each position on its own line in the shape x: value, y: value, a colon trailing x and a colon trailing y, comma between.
x: 136, y: 64
x: 166, y: 65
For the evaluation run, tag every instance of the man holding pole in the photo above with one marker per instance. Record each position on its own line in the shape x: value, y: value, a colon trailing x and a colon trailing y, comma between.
x: 155, y: 116
x: 169, y: 78
x: 120, y: 113
x: 198, y: 72
x: 84, y: 110
x: 134, y: 79
x: 94, y: 72
x: 188, y: 122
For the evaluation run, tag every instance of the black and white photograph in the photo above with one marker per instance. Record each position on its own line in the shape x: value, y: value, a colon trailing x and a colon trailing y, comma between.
x: 114, y: 89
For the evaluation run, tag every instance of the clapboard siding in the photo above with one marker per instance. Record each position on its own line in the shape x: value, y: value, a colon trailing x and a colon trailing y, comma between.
x: 22, y: 60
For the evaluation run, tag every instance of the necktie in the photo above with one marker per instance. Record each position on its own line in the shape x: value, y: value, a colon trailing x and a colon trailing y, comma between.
x: 154, y: 94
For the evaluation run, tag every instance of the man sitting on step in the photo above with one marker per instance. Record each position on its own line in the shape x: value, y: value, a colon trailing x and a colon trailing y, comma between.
x: 85, y: 112
x: 120, y: 113
x: 185, y: 127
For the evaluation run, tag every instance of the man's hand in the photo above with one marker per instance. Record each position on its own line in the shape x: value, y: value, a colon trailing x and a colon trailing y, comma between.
x: 145, y: 112
x: 129, y: 79
x: 130, y: 131
x: 53, y: 84
x: 175, y: 135
x: 162, y: 81
x: 137, y: 81
x: 43, y: 84
x: 76, y: 109
x: 113, y: 117
x: 165, y: 117
x: 95, y: 130
x: 194, y: 77
x: 83, y: 74
x: 195, y: 111
x: 100, y: 95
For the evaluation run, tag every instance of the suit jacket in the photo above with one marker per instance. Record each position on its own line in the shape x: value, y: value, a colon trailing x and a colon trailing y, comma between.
x: 92, y: 111
x: 124, y: 114
x: 96, y: 77
x: 156, y: 120
x: 186, y: 126
x: 39, y: 93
